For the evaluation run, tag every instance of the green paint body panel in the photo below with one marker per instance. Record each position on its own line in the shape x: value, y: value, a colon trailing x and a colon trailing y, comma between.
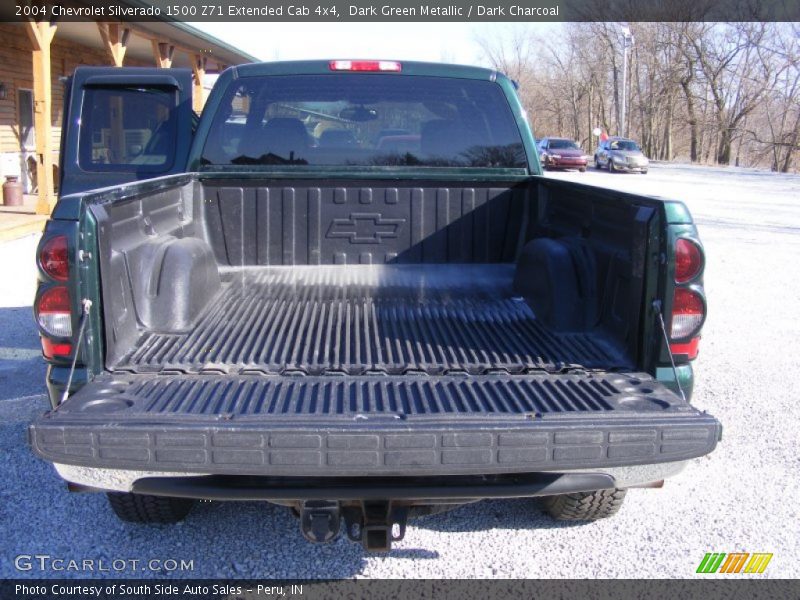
x: 677, y: 213
x: 82, y: 238
x: 685, y: 372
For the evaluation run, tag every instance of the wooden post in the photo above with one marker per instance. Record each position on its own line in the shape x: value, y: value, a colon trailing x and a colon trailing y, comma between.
x: 163, y: 52
x: 41, y: 35
x: 198, y: 94
x: 115, y: 41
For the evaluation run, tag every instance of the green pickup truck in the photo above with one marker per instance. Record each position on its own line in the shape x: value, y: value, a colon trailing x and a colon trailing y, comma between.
x: 347, y: 289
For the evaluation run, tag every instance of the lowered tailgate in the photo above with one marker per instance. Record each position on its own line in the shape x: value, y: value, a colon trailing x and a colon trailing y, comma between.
x: 372, y: 425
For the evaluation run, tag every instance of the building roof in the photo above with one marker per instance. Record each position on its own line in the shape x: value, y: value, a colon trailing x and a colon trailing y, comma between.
x: 248, y: 58
x: 188, y: 40
x: 229, y: 55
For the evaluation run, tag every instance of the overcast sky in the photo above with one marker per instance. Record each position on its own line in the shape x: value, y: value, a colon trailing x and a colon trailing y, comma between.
x: 438, y: 42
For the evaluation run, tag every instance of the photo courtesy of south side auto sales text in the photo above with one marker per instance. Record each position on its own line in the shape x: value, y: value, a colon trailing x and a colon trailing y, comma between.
x: 126, y: 590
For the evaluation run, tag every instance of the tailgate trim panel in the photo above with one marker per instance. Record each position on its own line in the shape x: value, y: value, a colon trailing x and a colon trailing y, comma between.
x: 628, y: 428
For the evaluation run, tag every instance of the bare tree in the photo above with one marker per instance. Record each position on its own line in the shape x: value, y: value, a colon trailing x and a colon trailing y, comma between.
x: 777, y: 132
x: 718, y: 92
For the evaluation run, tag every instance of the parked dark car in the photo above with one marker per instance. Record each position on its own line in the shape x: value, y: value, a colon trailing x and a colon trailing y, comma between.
x: 620, y: 154
x: 562, y: 153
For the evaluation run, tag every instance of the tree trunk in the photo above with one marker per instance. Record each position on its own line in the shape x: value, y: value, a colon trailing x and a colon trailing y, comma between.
x: 793, y: 144
x: 666, y: 154
x: 724, y: 147
x: 589, y: 115
x: 694, y: 149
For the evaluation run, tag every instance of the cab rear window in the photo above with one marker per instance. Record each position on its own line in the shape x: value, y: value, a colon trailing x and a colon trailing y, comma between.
x: 365, y: 120
x: 127, y: 129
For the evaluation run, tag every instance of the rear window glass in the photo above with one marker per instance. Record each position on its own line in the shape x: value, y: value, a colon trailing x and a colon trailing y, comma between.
x: 625, y: 145
x: 563, y: 145
x: 127, y: 129
x: 365, y: 120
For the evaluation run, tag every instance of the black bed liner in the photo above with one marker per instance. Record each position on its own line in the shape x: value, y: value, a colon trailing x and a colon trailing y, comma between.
x: 372, y: 425
x: 355, y: 320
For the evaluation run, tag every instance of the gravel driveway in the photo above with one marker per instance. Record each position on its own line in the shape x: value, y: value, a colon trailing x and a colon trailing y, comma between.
x: 743, y: 497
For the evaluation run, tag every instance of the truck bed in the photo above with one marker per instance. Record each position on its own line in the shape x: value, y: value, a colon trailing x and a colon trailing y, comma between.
x: 380, y: 319
x: 372, y: 328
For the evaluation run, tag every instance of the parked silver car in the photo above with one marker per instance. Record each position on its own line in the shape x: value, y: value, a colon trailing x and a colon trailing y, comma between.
x: 620, y: 154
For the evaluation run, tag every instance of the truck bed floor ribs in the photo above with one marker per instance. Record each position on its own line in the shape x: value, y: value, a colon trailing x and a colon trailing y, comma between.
x: 354, y: 320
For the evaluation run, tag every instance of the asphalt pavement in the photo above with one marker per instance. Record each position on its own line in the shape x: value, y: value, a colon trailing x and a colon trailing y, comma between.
x: 741, y: 498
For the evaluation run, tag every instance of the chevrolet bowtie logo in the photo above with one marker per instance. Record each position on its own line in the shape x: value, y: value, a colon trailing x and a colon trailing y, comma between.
x: 365, y: 228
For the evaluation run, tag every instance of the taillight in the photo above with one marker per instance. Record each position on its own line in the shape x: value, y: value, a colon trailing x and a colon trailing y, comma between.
x: 52, y: 349
x: 52, y: 308
x: 366, y: 65
x: 690, y: 348
x: 54, y: 258
x: 53, y: 312
x: 688, y: 312
x: 688, y: 260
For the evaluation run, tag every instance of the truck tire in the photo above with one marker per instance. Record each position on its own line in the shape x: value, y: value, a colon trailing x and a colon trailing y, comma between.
x: 585, y: 506
x: 142, y: 508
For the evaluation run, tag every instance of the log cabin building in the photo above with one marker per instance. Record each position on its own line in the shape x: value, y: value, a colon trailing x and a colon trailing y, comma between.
x: 36, y: 56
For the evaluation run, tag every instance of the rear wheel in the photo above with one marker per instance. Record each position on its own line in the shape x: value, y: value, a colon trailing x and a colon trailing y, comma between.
x: 582, y: 169
x: 142, y: 508
x: 585, y: 506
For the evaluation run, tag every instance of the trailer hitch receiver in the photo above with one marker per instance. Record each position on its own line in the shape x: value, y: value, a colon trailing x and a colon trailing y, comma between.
x: 376, y: 524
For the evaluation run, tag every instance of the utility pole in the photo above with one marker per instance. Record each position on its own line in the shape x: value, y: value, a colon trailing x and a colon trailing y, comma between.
x: 627, y: 37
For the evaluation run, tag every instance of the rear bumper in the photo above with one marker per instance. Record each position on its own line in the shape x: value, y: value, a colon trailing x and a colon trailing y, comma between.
x: 630, y: 168
x: 237, y: 487
x: 566, y: 163
x: 140, y: 430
